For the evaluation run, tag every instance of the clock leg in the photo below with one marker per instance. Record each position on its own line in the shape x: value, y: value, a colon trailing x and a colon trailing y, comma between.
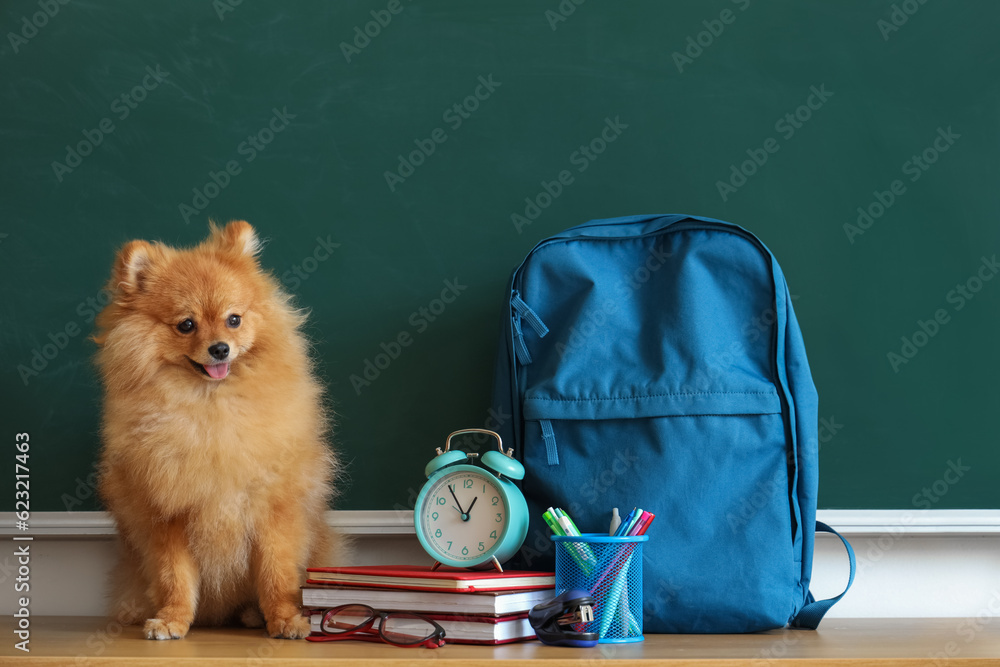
x: 435, y: 566
x: 496, y: 564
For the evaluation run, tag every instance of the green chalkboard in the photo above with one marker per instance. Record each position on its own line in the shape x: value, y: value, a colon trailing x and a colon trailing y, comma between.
x: 402, y: 157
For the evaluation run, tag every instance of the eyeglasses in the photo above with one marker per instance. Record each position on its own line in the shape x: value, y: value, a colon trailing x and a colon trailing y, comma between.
x: 399, y: 628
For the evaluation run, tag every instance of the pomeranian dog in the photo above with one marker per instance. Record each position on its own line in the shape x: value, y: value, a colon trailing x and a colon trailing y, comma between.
x: 214, y: 463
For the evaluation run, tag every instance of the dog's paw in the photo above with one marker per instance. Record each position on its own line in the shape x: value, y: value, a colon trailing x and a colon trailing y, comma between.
x: 294, y: 627
x: 157, y: 628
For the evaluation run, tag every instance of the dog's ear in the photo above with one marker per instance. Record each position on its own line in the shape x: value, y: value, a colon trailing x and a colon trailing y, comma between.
x: 237, y: 236
x: 132, y: 267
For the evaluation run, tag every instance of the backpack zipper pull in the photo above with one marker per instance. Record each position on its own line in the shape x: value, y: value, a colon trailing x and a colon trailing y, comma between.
x: 530, y: 316
x: 523, y: 311
x: 520, y: 348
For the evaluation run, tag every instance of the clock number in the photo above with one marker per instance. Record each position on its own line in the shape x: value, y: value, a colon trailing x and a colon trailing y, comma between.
x: 437, y: 533
x: 449, y: 545
x: 465, y: 551
x: 493, y: 534
x: 467, y: 484
x: 434, y: 516
x: 499, y: 517
x: 441, y: 500
x: 481, y: 547
x: 495, y: 501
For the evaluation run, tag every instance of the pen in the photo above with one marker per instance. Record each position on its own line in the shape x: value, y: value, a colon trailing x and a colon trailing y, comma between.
x: 625, y: 523
x: 634, y: 520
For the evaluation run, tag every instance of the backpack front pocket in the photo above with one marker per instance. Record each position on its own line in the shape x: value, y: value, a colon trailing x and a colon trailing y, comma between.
x: 716, y: 472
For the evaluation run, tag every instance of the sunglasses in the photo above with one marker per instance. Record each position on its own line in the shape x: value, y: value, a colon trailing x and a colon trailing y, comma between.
x: 399, y: 628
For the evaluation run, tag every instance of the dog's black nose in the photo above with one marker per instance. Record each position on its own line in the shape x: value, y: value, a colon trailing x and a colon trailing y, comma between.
x: 219, y: 350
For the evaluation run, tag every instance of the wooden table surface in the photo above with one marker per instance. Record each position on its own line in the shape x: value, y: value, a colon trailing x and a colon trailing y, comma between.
x: 932, y: 642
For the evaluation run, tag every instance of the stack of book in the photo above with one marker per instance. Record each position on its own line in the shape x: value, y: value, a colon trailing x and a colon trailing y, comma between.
x: 473, y: 607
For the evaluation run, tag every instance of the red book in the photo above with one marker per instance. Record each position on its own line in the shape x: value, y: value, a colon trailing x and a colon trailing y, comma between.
x: 495, y: 603
x: 421, y: 578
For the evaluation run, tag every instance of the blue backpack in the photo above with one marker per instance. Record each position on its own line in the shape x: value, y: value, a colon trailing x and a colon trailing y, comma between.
x: 656, y: 361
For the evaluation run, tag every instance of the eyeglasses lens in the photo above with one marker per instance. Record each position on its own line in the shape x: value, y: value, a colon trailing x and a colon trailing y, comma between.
x: 347, y: 618
x: 404, y: 628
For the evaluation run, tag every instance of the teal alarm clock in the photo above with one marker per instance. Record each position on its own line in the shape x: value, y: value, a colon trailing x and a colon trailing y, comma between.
x: 469, y: 515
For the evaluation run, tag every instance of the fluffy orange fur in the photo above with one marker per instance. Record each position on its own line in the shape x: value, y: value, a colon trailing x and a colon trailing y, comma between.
x: 218, y: 487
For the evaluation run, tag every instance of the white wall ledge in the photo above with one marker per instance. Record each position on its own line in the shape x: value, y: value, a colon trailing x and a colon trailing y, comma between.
x: 392, y: 522
x: 912, y: 522
x: 100, y: 524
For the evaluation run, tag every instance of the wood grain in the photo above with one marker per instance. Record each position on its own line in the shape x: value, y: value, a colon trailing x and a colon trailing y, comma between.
x: 886, y: 642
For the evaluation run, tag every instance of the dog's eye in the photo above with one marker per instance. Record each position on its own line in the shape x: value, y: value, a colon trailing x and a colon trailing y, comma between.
x: 233, y: 321
x: 187, y: 326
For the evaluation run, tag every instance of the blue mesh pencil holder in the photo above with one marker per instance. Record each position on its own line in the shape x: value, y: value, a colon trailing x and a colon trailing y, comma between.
x: 611, y: 569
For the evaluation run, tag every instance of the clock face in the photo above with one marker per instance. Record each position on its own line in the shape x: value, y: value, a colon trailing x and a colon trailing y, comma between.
x: 463, y: 516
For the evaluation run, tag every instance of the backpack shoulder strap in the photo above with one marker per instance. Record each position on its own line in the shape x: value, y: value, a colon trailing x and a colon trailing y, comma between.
x: 813, y: 612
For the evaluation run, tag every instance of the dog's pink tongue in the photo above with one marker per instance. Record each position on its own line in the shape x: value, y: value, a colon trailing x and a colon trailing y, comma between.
x: 217, y: 371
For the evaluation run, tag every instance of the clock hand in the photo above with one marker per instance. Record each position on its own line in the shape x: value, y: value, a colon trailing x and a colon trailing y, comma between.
x: 470, y: 505
x: 459, y: 508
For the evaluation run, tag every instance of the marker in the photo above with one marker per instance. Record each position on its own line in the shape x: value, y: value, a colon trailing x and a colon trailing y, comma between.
x: 642, y: 524
x: 567, y: 523
x: 580, y: 553
x: 552, y: 523
x: 587, y: 556
x: 634, y: 520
